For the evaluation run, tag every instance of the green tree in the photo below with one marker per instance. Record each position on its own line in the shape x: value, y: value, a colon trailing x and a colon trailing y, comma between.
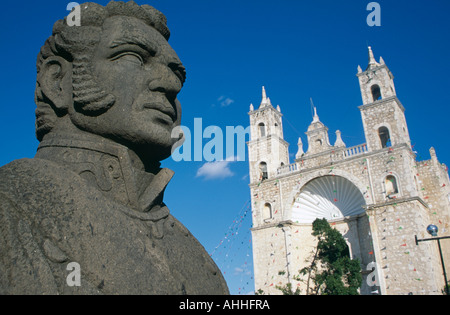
x: 331, y: 271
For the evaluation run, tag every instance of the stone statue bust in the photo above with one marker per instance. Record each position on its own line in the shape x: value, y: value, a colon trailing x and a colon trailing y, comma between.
x: 106, y: 97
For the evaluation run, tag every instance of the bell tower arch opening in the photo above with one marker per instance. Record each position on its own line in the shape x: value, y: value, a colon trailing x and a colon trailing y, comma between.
x: 262, y: 130
x: 385, y: 137
x: 376, y: 92
x: 263, y: 171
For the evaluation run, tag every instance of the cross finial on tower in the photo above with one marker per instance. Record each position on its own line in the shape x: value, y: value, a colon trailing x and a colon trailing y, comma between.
x: 371, y: 56
x: 315, y: 116
x: 372, y: 60
x: 265, y: 100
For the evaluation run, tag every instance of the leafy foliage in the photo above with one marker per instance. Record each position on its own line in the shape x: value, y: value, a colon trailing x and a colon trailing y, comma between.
x: 332, y: 271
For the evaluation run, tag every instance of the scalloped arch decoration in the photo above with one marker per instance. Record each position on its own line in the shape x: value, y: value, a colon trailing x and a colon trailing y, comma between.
x: 329, y: 197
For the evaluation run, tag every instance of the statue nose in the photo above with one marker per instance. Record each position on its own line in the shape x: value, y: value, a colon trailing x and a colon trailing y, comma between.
x: 166, y: 81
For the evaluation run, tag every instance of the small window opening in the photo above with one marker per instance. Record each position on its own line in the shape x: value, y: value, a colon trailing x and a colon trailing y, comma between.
x: 267, y: 211
x: 391, y: 185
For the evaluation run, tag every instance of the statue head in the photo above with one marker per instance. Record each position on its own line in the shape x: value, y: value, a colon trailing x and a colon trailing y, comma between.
x: 114, y: 76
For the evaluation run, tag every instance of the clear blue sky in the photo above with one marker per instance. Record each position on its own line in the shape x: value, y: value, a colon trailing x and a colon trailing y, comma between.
x: 297, y: 49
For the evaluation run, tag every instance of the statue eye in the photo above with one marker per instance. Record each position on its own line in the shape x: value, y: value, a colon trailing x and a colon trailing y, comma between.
x: 129, y: 56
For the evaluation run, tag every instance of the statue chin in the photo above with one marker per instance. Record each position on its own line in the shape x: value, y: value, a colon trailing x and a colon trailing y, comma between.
x: 150, y: 147
x: 151, y: 153
x: 150, y: 139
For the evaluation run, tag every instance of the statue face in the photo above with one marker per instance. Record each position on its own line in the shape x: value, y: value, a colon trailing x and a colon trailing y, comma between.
x: 135, y: 63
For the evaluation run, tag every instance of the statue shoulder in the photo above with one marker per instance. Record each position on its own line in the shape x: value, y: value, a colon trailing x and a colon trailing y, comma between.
x: 24, y: 174
x: 23, y: 168
x: 195, y: 256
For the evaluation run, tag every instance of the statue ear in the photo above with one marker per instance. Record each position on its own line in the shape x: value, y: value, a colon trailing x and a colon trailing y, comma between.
x: 55, y: 81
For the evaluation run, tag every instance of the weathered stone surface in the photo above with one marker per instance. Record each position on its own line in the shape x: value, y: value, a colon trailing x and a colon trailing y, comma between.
x: 93, y: 195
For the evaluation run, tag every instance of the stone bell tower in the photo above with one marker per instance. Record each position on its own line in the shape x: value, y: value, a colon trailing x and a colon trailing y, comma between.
x: 267, y: 148
x: 317, y: 134
x: 382, y: 113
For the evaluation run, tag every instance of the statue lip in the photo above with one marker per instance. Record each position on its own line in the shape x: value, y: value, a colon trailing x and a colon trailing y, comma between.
x: 161, y: 107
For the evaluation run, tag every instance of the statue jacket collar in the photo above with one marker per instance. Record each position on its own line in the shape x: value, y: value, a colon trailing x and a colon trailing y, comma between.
x: 107, y: 166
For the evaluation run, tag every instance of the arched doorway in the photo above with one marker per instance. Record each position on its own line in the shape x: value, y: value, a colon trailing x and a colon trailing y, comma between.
x: 338, y: 200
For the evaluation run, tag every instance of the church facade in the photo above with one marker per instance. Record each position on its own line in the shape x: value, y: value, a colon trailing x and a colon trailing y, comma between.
x: 376, y: 194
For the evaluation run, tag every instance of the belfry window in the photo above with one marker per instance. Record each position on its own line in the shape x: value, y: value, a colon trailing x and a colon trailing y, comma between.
x: 376, y: 93
x: 262, y: 130
x: 385, y: 138
x: 391, y: 185
x: 263, y: 171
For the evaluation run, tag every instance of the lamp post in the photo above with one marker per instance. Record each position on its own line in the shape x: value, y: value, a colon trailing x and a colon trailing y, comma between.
x: 433, y: 230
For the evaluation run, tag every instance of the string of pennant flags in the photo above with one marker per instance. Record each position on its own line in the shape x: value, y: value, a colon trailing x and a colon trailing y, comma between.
x: 233, y: 253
